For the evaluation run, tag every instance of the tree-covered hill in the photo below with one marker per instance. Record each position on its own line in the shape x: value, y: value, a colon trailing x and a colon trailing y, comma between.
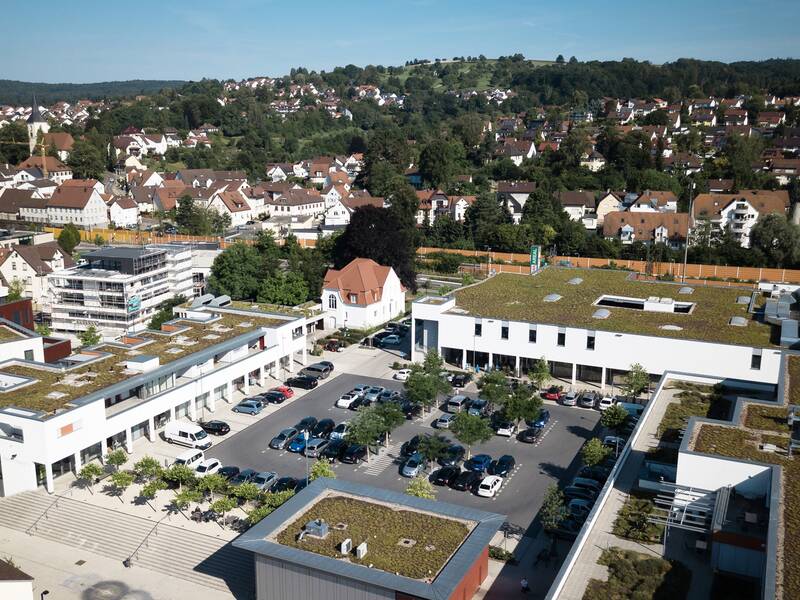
x: 20, y: 92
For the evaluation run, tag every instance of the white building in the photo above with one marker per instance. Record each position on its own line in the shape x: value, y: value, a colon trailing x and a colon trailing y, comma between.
x: 362, y: 295
x: 123, y: 212
x: 30, y: 265
x: 54, y: 423
x: 81, y: 205
x: 119, y: 289
x: 739, y: 212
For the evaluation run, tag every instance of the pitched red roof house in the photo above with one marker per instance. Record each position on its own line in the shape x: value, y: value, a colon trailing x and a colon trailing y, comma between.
x: 361, y: 281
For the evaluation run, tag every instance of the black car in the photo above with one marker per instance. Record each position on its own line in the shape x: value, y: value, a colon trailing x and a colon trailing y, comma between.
x: 530, y: 435
x: 354, y: 454
x: 323, y: 428
x: 467, y: 481
x: 502, y: 466
x: 228, y: 472
x: 446, y: 476
x: 334, y: 450
x: 572, y: 492
x: 303, y: 382
x: 307, y: 424
x: 215, y: 427
x: 244, y: 476
x: 410, y: 409
x: 460, y: 380
x: 408, y: 448
x: 597, y: 473
x: 452, y: 456
x: 273, y: 397
x: 285, y: 484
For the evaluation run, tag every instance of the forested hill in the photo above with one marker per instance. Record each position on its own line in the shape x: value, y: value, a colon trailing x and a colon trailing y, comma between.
x: 20, y: 92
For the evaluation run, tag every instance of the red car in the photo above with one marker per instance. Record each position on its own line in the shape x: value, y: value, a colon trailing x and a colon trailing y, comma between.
x: 285, y: 390
x: 553, y: 393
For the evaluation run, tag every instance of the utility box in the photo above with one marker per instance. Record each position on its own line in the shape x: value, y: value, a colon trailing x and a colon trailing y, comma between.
x: 361, y: 550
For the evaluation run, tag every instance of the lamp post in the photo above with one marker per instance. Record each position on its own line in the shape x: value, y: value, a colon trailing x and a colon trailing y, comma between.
x: 305, y: 437
x: 688, y: 230
x: 43, y: 594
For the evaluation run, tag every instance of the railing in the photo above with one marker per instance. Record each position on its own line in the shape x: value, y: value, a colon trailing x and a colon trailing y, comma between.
x: 154, y: 531
x: 32, y: 529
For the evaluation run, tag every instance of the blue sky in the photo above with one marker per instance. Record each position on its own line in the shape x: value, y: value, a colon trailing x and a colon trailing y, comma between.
x: 91, y: 40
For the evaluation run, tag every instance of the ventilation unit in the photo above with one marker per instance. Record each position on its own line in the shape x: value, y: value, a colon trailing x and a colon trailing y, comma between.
x: 575, y: 281
x: 601, y: 313
x: 743, y: 300
x: 552, y: 298
x: 346, y: 546
x: 220, y: 301
x: 738, y: 322
x: 361, y: 550
x: 686, y: 290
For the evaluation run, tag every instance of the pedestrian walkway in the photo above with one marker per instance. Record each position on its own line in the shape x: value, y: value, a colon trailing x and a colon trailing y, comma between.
x: 380, y: 463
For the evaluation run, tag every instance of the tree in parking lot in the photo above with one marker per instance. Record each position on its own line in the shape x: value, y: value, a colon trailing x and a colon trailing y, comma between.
x: 470, y: 429
x: 425, y: 382
x: 321, y: 468
x: 637, y: 380
x: 391, y: 416
x: 433, y: 447
x: 494, y: 387
x: 540, y: 372
x: 89, y: 474
x: 246, y: 492
x: 179, y: 475
x: 594, y: 452
x: 521, y: 404
x: 117, y: 458
x: 420, y: 487
x: 212, y: 484
x: 614, y: 417
x: 553, y: 510
x: 222, y: 506
x: 366, y: 428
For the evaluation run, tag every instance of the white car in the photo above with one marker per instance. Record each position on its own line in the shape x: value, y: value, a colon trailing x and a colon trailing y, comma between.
x: 506, y: 429
x: 340, y: 431
x: 570, y: 398
x: 207, y: 467
x: 489, y: 486
x: 346, y: 400
x: 402, y: 374
x: 605, y: 403
x: 444, y: 421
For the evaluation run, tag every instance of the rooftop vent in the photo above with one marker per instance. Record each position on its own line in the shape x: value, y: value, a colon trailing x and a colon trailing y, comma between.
x: 575, y: 281
x: 361, y: 550
x: 316, y: 529
x: 201, y: 300
x: 346, y: 546
x: 220, y: 301
x: 552, y: 298
x: 671, y: 327
x: 601, y: 313
x: 686, y: 290
x: 738, y: 322
x: 743, y: 300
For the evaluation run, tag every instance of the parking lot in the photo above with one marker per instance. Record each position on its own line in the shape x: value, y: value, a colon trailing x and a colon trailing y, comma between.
x: 537, y: 465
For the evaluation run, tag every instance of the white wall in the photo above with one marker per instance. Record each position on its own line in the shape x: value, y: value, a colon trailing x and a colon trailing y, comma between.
x: 16, y: 590
x: 711, y: 473
x: 391, y: 304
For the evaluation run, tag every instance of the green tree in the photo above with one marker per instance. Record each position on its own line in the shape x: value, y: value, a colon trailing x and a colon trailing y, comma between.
x: 391, y: 417
x: 440, y: 161
x: 90, y: 337
x: 212, y: 484
x: 164, y: 312
x: 778, y: 238
x: 99, y: 241
x: 15, y: 289
x: 179, y: 475
x: 184, y: 215
x: 222, y: 506
x: 614, y: 417
x: 116, y: 458
x: 321, y: 468
x: 184, y: 497
x: 540, y: 372
x: 151, y: 488
x: 594, y: 452
x: 470, y: 429
x: 553, y: 510
x: 147, y: 468
x: 90, y: 473
x: 287, y: 289
x: 237, y: 272
x: 494, y: 387
x: 522, y: 404
x: 420, y: 487
x: 366, y: 428
x: 246, y: 492
x: 69, y: 238
x: 43, y: 330
x: 432, y: 447
x: 86, y: 161
x: 636, y: 380
x: 121, y: 481
x: 423, y: 388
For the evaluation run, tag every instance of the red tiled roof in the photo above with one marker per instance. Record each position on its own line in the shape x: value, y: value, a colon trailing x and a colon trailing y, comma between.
x: 362, y: 278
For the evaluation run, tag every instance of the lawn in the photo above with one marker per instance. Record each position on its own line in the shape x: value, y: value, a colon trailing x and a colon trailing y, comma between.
x: 693, y: 401
x: 7, y: 334
x: 769, y: 418
x: 383, y: 527
x: 521, y: 298
x: 793, y: 366
x: 640, y: 576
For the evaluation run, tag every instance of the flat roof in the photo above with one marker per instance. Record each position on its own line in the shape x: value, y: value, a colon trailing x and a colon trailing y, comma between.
x: 522, y: 298
x: 122, y: 252
x: 469, y: 532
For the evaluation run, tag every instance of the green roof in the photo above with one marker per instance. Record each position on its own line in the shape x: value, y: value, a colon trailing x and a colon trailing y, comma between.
x: 8, y: 334
x: 521, y: 298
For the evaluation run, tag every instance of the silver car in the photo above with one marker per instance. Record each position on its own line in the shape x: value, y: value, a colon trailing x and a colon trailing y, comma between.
x: 265, y: 479
x: 371, y: 395
x: 414, y: 465
x: 444, y: 421
x: 570, y: 398
x: 315, y: 446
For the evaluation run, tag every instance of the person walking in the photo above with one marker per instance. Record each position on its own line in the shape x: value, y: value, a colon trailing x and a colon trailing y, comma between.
x: 525, y: 587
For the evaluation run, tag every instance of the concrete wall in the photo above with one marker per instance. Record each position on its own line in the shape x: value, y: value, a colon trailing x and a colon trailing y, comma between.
x: 712, y: 472
x: 16, y: 590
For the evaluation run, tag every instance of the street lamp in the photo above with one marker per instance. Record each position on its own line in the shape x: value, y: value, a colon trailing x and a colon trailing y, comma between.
x: 688, y: 229
x: 43, y: 594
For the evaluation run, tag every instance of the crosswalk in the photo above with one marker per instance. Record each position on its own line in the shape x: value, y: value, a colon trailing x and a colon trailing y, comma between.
x: 380, y: 463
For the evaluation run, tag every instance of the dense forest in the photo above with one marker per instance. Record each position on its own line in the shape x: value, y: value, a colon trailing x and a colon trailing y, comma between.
x: 20, y: 92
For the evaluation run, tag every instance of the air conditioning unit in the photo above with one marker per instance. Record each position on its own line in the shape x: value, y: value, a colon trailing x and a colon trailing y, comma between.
x: 361, y: 550
x: 346, y: 546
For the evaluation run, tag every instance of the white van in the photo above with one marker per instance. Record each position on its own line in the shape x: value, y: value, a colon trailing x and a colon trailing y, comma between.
x: 190, y: 458
x: 187, y: 434
x: 457, y: 403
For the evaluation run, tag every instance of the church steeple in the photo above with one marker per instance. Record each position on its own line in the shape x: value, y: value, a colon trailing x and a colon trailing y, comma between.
x: 36, y: 116
x: 36, y: 124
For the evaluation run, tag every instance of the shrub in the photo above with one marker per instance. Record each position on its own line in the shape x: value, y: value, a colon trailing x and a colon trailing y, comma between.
x: 497, y: 553
x: 635, y: 575
x: 633, y: 521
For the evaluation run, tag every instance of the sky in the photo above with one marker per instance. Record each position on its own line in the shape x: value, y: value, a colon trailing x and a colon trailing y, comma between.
x: 90, y: 40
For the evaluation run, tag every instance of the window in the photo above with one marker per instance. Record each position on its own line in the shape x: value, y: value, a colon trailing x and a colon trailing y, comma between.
x: 755, y: 360
x: 590, y: 341
x: 478, y: 329
x: 331, y: 301
x: 562, y: 338
x: 28, y: 354
x: 532, y: 335
x: 504, y: 332
x: 353, y: 298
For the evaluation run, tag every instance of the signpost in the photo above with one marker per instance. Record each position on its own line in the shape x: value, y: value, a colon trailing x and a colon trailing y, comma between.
x: 536, y: 258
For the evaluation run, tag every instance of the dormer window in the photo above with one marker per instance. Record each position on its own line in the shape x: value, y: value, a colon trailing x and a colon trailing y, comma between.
x: 353, y: 298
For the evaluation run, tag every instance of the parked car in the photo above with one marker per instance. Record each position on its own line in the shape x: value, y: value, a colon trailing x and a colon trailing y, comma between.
x: 410, y: 409
x: 215, y: 427
x: 568, y: 529
x: 478, y: 407
x: 446, y: 475
x: 349, y: 400
x: 340, y: 431
x: 371, y: 394
x: 479, y: 462
x: 265, y: 479
x: 387, y: 396
x: 334, y: 346
x: 588, y: 399
x: 228, y: 472
x: 334, y: 450
x: 554, y: 392
x: 303, y: 382
x: 354, y: 454
x: 489, y: 486
x: 570, y: 398
x: 579, y: 508
x: 460, y: 380
x: 530, y: 435
x: 452, y: 456
x: 402, y: 374
x: 298, y: 444
x: 244, y: 476
x: 326, y: 363
x: 413, y: 466
x: 605, y: 403
x: 316, y: 371
x: 613, y: 441
x: 505, y: 428
x: 274, y: 397
x: 285, y: 390
x: 540, y: 421
x: 572, y: 491
x: 411, y: 446
x: 502, y: 466
x: 393, y: 327
x: 390, y: 340
x: 457, y: 403
x: 466, y: 481
x: 280, y: 441
x: 306, y: 424
x: 444, y: 421
x: 249, y: 407
x: 597, y: 473
x: 208, y: 466
x: 588, y: 484
x: 382, y: 334
x: 286, y: 484
x: 323, y: 428
x: 315, y: 446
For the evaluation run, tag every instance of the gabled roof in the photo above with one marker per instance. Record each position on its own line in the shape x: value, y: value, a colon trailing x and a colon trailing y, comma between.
x: 576, y: 198
x: 124, y: 202
x: 764, y: 201
x: 361, y: 277
x: 71, y: 196
x: 36, y: 162
x: 12, y: 199
x: 61, y: 140
x: 295, y: 197
x: 516, y: 187
x: 233, y: 201
x: 38, y: 256
x: 644, y: 224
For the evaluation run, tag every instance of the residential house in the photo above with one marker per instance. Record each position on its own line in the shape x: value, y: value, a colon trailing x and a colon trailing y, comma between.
x: 296, y: 203
x: 577, y: 203
x: 11, y: 201
x: 234, y: 205
x: 655, y: 201
x: 30, y: 265
x: 607, y: 203
x: 735, y: 116
x: 339, y: 213
x: 785, y: 169
x: 647, y: 227
x: 516, y: 150
x: 46, y: 167
x: 704, y: 118
x: 123, y: 212
x: 739, y: 212
x: 594, y: 161
x: 42, y: 188
x: 80, y: 205
x: 362, y: 295
x: 720, y: 185
x: 280, y: 171
x: 513, y: 195
x: 143, y: 196
x: 61, y: 141
x: 770, y: 119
